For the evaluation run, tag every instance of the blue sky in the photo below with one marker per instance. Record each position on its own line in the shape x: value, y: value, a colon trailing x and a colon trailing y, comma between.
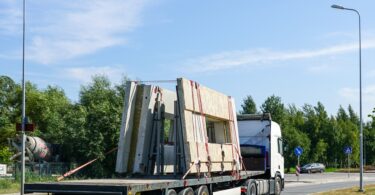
x: 302, y: 51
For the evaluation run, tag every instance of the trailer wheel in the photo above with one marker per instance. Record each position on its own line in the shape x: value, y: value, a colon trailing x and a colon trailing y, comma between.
x: 251, y: 188
x: 277, y: 185
x: 202, y: 190
x: 187, y: 191
x: 171, y: 192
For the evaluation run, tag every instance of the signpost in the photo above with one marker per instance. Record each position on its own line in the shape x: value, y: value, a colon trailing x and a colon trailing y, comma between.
x: 348, y: 151
x: 298, y: 152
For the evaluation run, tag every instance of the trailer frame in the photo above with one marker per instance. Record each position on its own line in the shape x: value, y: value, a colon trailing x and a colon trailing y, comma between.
x: 129, y: 186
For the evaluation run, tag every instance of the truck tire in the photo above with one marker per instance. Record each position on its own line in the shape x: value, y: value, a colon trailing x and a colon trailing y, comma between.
x: 202, y: 190
x: 186, y: 191
x: 171, y: 192
x: 277, y: 185
x: 251, y: 188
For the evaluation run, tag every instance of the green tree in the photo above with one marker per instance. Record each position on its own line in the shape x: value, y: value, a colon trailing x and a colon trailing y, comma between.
x: 317, y: 126
x: 369, y: 140
x: 341, y: 114
x: 320, y: 151
x: 274, y: 106
x: 47, y: 109
x: 74, y: 135
x: 5, y: 155
x: 103, y: 107
x: 7, y: 124
x: 248, y: 106
x: 293, y: 136
x: 345, y: 134
x: 352, y: 115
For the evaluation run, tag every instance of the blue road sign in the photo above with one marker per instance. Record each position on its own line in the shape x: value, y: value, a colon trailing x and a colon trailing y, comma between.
x: 298, y: 151
x: 347, y: 150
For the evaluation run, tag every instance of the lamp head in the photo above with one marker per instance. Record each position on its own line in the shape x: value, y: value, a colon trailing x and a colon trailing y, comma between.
x: 337, y: 6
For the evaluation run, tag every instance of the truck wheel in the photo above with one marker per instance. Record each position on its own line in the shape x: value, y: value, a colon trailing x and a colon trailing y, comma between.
x: 202, y: 190
x: 277, y: 185
x: 251, y: 188
x: 187, y: 191
x: 171, y: 192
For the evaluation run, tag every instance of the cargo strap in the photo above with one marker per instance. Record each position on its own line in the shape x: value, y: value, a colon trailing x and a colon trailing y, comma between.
x: 194, y: 132
x: 234, y: 140
x: 203, y: 119
x: 159, y: 90
x: 197, y: 163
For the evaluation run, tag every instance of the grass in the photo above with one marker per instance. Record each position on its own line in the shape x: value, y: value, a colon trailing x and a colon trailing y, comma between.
x: 12, y: 185
x: 328, y: 170
x: 9, y: 186
x: 291, y: 170
x: 369, y: 189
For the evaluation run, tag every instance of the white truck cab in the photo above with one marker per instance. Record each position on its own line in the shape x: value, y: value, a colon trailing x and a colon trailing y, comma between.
x: 261, y: 145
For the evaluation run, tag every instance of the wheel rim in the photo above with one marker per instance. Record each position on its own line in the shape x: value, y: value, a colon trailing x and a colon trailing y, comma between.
x: 187, y: 191
x: 253, y: 190
x: 278, y: 186
x: 202, y: 190
x: 172, y: 192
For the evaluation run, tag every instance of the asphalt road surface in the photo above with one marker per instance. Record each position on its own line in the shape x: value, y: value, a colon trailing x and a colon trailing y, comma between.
x: 321, y: 182
x: 313, y: 183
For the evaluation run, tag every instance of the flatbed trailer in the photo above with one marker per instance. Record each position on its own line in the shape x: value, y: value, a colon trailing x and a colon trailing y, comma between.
x: 129, y: 186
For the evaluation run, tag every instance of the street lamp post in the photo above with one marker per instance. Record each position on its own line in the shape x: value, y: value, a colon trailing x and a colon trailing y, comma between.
x: 360, y: 94
x: 23, y: 122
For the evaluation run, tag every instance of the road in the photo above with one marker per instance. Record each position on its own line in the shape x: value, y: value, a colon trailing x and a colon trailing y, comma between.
x: 313, y: 183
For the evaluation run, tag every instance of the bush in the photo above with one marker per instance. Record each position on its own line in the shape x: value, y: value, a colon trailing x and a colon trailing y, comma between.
x: 5, y: 155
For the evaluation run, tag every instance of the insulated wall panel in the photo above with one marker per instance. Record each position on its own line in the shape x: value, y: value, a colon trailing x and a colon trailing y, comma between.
x: 126, y: 128
x: 144, y: 133
x: 168, y: 99
x: 213, y: 103
x: 200, y: 110
x: 198, y: 101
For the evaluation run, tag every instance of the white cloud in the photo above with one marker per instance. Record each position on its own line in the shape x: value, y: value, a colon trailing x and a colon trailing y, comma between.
x: 368, y: 98
x: 61, y: 30
x: 10, y: 17
x: 253, y: 57
x: 115, y: 74
x: 322, y: 68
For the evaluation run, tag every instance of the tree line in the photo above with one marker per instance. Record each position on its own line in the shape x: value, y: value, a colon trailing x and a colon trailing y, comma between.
x: 323, y: 137
x: 89, y: 127
x: 85, y: 129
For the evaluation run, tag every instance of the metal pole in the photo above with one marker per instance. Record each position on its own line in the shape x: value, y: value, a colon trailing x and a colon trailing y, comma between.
x: 360, y: 96
x: 348, y: 165
x: 298, y: 167
x: 360, y: 103
x: 364, y: 151
x: 23, y: 105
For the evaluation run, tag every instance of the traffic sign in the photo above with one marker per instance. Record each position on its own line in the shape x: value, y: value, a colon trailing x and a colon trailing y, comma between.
x: 28, y: 127
x: 298, y: 151
x: 348, y: 150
